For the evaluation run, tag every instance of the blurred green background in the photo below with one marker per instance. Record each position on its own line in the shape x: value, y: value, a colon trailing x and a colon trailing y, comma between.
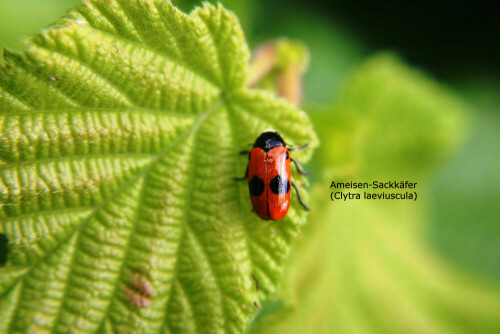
x: 397, y: 90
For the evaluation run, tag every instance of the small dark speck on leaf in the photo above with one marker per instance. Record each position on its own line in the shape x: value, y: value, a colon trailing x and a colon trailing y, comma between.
x: 4, y: 249
x: 53, y: 78
x: 256, y: 305
x: 136, y: 299
x: 256, y: 282
x: 117, y: 49
x: 140, y: 291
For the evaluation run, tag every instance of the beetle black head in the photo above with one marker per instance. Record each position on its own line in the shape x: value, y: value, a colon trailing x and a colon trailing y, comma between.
x: 268, y: 140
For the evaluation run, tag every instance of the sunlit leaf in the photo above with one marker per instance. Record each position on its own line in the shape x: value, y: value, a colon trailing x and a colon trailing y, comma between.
x: 120, y: 128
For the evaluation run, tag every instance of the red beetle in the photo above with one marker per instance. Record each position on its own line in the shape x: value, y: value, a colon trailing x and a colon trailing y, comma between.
x: 269, y: 176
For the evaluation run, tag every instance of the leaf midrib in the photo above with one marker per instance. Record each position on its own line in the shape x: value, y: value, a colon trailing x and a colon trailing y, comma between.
x: 131, y: 155
x: 142, y: 173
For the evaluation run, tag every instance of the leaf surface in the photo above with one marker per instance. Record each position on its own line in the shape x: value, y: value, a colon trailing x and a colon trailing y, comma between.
x: 367, y: 266
x: 120, y: 128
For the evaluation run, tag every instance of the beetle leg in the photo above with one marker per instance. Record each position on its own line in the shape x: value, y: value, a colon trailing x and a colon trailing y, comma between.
x: 298, y: 167
x: 298, y: 197
x: 298, y: 148
x: 242, y: 178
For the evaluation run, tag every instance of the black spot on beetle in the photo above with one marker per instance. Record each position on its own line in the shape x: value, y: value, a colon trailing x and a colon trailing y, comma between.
x: 256, y: 186
x: 279, y: 185
x: 4, y: 249
x: 287, y: 155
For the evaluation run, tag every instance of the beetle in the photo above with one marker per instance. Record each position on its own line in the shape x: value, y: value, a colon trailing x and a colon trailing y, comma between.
x: 269, y: 176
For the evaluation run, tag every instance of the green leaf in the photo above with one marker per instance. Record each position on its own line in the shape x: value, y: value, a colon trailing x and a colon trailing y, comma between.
x: 464, y: 223
x: 365, y: 266
x: 409, y: 122
x: 120, y: 128
x: 390, y: 120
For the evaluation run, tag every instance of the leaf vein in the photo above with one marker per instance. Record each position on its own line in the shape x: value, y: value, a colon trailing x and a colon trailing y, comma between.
x: 12, y: 94
x: 53, y: 85
x: 157, y: 52
x: 109, y: 82
x: 146, y: 170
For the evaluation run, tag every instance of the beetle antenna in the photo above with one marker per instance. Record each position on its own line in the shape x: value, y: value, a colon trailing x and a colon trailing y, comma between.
x: 300, y: 170
x: 298, y: 196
